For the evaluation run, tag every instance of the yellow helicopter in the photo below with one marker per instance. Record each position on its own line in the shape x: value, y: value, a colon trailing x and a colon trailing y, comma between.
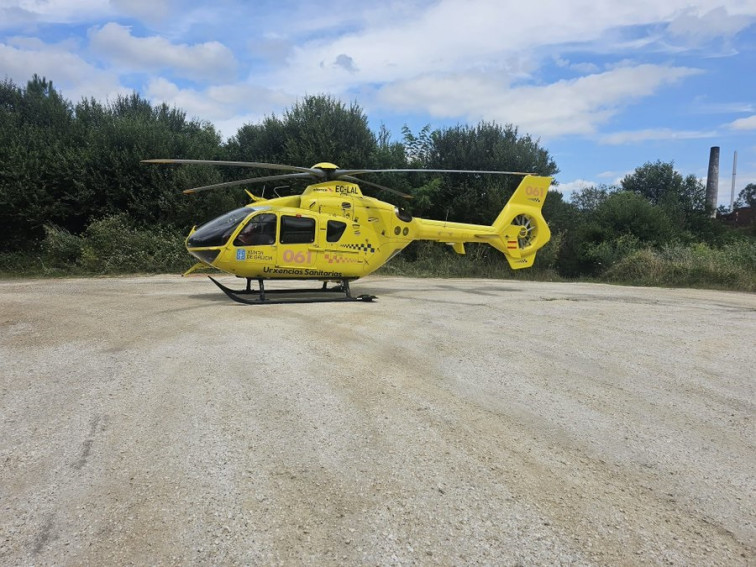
x: 333, y: 233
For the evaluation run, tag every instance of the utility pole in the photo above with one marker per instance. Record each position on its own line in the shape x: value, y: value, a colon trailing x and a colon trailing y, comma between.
x: 734, y: 172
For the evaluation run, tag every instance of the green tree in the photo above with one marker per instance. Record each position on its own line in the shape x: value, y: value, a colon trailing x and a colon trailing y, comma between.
x: 130, y: 129
x: 321, y: 128
x: 626, y: 213
x: 417, y: 149
x: 747, y: 197
x: 37, y: 160
x: 389, y: 154
x: 67, y: 165
x: 682, y: 198
x: 487, y: 147
x: 620, y: 224
x: 589, y: 199
x: 315, y: 129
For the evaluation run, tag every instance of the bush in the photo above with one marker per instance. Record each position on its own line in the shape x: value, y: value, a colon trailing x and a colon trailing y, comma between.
x: 607, y: 253
x: 60, y: 248
x: 547, y: 258
x: 20, y: 264
x: 731, y: 267
x: 112, y: 245
x: 431, y: 259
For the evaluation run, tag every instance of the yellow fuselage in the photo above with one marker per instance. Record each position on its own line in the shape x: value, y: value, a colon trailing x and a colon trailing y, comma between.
x: 332, y: 232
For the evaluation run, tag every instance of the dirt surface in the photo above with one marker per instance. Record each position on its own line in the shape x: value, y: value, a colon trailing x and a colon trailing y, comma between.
x: 150, y: 420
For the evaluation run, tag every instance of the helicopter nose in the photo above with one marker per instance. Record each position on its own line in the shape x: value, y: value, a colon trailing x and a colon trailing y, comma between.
x: 206, y: 256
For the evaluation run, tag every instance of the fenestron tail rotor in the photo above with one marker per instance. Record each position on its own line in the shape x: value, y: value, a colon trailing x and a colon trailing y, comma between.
x: 527, y: 232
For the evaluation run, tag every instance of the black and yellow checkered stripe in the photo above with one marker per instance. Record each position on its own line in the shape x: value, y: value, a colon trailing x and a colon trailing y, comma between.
x: 367, y: 247
x: 338, y: 258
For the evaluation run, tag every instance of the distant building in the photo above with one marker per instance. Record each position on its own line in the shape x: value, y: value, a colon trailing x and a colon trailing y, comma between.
x: 743, y: 216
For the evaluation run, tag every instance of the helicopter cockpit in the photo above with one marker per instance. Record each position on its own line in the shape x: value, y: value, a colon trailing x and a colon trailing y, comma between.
x: 219, y: 230
x: 260, y: 230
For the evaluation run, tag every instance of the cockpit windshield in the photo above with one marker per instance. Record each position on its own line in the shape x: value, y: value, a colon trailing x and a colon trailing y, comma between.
x: 218, y: 231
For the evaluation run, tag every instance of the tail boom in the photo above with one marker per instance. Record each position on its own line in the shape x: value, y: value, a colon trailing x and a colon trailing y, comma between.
x: 518, y: 232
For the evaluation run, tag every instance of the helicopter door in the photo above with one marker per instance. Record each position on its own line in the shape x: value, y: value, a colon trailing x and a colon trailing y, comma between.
x: 297, y: 247
x: 256, y: 242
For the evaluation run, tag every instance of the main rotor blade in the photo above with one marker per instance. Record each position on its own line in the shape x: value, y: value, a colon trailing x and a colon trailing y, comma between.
x: 382, y: 187
x: 340, y: 172
x: 250, y: 180
x: 236, y: 164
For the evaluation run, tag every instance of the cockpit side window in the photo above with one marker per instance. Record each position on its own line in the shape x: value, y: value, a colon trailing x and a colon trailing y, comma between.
x: 297, y: 230
x: 334, y: 230
x: 259, y: 231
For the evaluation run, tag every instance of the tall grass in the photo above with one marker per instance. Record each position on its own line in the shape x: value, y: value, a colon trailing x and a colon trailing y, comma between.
x: 430, y: 259
x: 733, y: 266
x: 108, y: 246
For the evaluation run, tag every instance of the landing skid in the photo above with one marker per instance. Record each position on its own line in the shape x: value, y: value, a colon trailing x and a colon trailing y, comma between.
x: 260, y: 296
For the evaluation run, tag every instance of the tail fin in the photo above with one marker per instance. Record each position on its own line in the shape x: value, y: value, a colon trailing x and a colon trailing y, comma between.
x: 520, y: 228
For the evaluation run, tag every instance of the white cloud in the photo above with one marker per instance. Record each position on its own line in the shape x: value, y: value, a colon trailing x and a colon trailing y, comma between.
x: 487, y: 35
x: 610, y: 175
x: 270, y: 48
x: 569, y: 188
x: 52, y: 11
x: 654, y: 134
x: 209, y: 60
x: 228, y: 107
x: 585, y: 68
x: 71, y: 75
x: 346, y: 63
x: 576, y: 106
x: 748, y: 123
x: 430, y: 61
x: 146, y: 10
x: 447, y: 59
x: 697, y: 27
x: 701, y: 106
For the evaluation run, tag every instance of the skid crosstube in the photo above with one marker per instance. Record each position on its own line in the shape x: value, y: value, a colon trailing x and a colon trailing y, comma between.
x: 259, y: 297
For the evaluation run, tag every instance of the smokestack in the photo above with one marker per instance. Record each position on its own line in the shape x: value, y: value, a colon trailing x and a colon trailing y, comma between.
x: 712, y: 181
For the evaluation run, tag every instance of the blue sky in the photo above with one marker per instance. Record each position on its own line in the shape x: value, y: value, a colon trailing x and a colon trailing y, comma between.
x: 606, y: 85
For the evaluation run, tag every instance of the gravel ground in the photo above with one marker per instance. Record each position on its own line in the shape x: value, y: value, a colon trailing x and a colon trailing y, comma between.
x: 150, y: 420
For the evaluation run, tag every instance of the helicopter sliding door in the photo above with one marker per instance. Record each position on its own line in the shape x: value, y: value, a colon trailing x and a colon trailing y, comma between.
x: 298, y: 252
